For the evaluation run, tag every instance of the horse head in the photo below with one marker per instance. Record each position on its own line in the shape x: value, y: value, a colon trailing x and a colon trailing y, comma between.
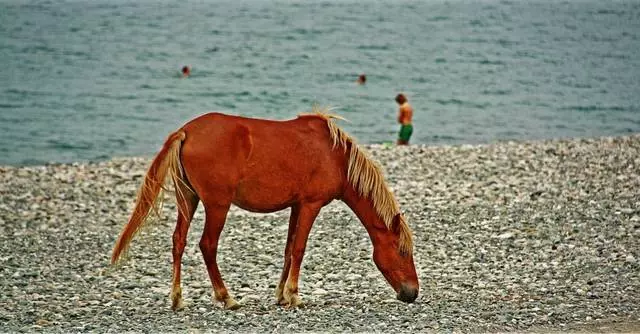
x: 395, y: 259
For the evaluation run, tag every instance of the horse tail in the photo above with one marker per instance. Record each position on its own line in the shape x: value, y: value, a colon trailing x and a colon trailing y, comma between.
x: 166, y: 163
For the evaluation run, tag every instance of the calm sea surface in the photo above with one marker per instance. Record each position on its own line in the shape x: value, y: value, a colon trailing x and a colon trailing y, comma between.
x: 89, y: 80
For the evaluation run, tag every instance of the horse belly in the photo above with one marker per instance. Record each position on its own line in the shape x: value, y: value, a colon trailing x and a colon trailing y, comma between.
x: 257, y: 197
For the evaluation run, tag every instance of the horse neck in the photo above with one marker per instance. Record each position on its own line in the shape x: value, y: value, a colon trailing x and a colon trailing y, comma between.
x: 364, y: 209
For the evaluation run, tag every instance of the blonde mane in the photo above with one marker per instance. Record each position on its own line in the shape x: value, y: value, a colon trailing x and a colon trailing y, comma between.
x: 366, y: 177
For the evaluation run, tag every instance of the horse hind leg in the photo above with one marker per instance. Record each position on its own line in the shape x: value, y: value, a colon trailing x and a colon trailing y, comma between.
x: 293, y: 222
x: 187, y: 207
x: 214, y: 223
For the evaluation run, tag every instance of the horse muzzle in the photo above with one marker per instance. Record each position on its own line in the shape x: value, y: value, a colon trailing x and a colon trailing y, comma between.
x: 407, y: 293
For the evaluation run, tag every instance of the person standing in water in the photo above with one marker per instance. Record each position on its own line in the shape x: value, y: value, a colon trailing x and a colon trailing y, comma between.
x: 186, y: 71
x: 405, y: 114
x: 362, y: 79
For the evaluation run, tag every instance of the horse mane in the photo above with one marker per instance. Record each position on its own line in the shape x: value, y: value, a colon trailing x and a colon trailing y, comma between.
x: 365, y: 175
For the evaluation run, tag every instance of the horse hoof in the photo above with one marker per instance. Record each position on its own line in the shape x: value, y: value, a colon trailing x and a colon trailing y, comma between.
x: 176, y: 299
x: 294, y: 301
x: 282, y: 301
x: 292, y: 306
x: 231, y: 304
x: 177, y: 304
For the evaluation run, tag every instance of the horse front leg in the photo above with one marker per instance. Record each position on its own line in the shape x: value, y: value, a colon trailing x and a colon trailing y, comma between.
x: 293, y: 221
x: 306, y: 216
x: 214, y: 222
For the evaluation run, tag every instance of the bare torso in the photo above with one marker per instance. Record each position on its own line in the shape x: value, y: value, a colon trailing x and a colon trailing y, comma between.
x: 405, y: 114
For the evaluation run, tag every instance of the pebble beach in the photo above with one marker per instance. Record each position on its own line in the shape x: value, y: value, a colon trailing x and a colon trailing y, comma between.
x: 536, y: 236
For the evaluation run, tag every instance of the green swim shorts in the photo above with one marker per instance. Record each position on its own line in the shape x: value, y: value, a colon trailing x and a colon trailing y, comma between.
x: 405, y: 132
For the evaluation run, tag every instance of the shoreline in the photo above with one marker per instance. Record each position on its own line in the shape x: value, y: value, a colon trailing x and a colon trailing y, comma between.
x: 510, y: 236
x: 374, y: 145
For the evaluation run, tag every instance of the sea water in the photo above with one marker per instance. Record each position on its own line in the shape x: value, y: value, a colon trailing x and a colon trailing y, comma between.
x: 90, y: 80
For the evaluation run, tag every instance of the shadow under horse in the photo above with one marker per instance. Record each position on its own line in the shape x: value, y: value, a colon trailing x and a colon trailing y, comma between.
x: 265, y: 166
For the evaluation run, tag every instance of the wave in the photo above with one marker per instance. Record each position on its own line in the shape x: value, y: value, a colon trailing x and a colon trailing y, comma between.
x: 491, y: 62
x: 610, y: 12
x: 497, y: 92
x: 374, y: 47
x: 26, y: 93
x: 449, y: 101
x: 592, y: 108
x: 471, y: 104
x: 34, y: 49
x: 167, y: 100
x: 10, y: 106
x: 117, y: 97
x: 438, y: 18
x: 65, y: 145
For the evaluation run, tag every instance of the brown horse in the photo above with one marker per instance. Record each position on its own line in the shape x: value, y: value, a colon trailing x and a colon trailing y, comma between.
x: 266, y: 166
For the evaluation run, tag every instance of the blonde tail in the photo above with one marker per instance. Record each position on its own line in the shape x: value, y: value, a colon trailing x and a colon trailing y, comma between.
x: 166, y: 163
